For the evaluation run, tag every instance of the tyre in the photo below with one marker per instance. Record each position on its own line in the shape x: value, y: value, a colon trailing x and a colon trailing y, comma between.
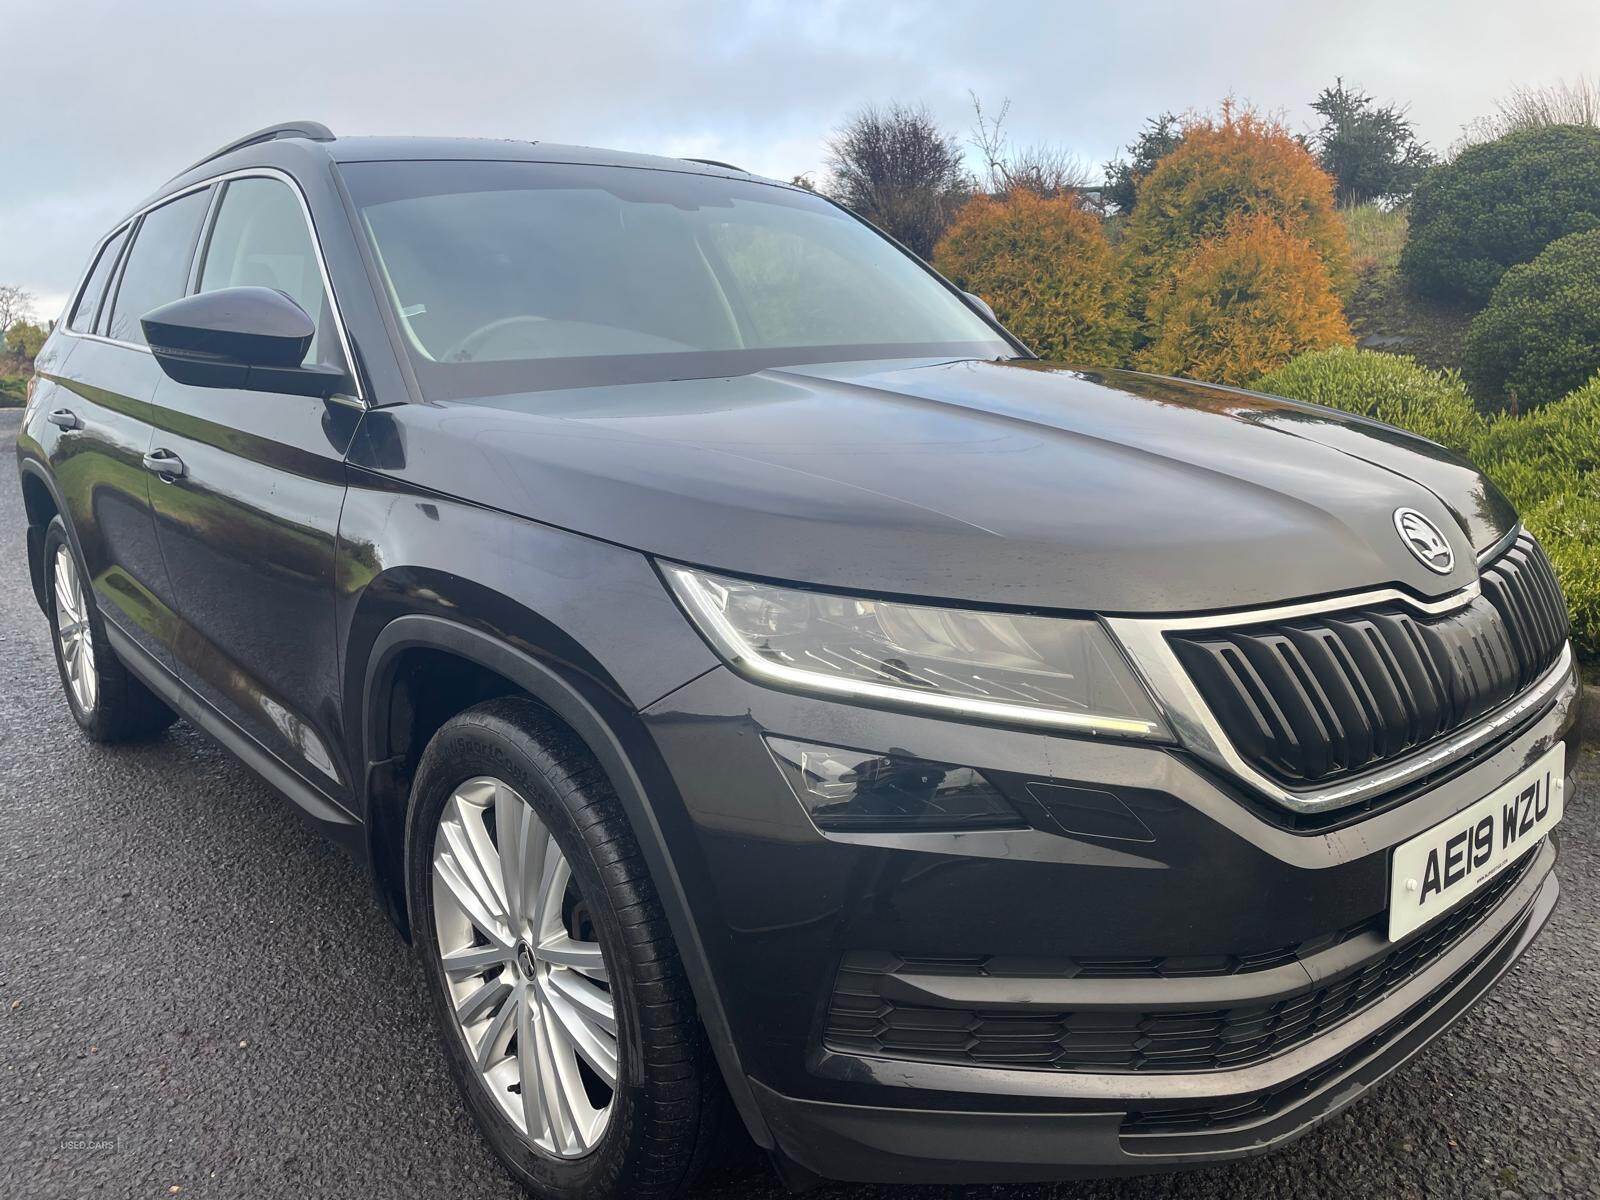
x: 108, y: 703
x: 560, y: 997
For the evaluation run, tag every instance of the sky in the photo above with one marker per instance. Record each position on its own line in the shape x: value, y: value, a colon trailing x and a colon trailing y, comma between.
x: 104, y: 101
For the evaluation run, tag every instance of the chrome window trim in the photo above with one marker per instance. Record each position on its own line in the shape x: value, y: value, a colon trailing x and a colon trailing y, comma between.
x: 240, y: 173
x: 1190, y: 718
x: 75, y: 296
x: 135, y: 228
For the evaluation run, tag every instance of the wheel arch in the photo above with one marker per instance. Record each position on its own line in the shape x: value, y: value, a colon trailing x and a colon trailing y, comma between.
x: 41, y: 502
x: 566, y: 685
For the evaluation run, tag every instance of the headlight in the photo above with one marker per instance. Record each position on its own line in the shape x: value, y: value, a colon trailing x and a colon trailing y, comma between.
x: 1002, y: 667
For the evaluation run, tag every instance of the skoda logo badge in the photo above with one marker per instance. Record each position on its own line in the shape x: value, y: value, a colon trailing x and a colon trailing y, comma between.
x: 1422, y: 538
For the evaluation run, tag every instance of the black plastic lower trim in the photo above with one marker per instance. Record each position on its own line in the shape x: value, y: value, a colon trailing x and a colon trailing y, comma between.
x: 172, y: 691
x: 884, y: 1144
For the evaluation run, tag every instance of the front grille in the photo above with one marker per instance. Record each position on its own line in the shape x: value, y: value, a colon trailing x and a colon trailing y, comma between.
x: 863, y: 1020
x: 1325, y: 697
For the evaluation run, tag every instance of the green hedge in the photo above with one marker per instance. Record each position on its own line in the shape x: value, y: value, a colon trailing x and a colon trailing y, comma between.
x: 1387, y: 387
x: 1568, y: 527
x: 1545, y: 452
x: 1547, y: 462
x: 1540, y: 336
x: 1499, y: 204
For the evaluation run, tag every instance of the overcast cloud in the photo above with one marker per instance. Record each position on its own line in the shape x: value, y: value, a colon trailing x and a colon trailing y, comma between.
x: 103, y: 101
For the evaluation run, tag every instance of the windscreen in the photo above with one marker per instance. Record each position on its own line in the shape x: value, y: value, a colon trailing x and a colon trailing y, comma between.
x: 512, y: 276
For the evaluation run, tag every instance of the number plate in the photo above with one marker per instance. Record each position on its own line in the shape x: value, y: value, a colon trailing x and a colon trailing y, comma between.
x: 1437, y: 870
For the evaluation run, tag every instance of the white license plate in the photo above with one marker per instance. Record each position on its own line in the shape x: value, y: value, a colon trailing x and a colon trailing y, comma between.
x: 1437, y: 870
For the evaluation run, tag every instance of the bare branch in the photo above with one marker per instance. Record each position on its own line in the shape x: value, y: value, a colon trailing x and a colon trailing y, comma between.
x: 16, y: 304
x: 1041, y: 168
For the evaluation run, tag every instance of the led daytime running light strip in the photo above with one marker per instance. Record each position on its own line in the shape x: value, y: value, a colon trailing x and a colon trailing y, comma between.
x: 740, y: 655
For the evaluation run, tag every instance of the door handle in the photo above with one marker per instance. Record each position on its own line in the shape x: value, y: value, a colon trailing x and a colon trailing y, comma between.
x: 65, y: 418
x: 165, y: 464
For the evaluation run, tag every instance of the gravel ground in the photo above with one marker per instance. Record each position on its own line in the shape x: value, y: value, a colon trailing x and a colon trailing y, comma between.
x: 198, y: 998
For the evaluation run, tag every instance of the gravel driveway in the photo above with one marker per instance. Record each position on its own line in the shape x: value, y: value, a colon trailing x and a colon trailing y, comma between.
x: 200, y: 999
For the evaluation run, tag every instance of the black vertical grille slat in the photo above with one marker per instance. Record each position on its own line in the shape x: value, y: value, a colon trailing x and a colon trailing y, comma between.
x: 1314, y: 700
x: 1536, y: 590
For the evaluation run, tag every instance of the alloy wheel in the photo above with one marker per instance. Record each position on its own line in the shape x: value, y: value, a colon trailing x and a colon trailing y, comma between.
x: 525, y: 974
x: 74, y: 638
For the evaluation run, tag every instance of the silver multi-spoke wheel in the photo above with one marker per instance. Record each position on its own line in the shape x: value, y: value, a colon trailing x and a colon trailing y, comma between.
x: 525, y: 975
x: 73, y: 636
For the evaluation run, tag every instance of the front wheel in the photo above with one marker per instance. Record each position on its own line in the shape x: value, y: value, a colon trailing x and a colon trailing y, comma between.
x: 560, y: 997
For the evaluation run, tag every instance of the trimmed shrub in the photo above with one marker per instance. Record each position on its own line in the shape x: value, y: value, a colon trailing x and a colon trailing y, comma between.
x: 1541, y: 454
x: 1046, y: 268
x: 1240, y: 164
x: 1567, y: 525
x: 1499, y: 204
x: 1243, y: 303
x: 1548, y: 464
x: 1386, y: 387
x: 1540, y: 335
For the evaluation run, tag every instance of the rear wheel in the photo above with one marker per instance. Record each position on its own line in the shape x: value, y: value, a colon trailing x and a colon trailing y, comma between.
x: 108, y: 703
x: 560, y: 997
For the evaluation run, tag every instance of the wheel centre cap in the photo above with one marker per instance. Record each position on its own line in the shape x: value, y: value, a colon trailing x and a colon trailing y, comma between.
x: 525, y: 959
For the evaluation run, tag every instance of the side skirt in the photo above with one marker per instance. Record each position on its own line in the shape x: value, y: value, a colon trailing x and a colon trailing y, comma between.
x: 328, y: 817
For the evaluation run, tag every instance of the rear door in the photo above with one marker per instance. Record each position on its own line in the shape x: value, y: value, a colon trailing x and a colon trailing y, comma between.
x: 99, y: 418
x: 248, y: 527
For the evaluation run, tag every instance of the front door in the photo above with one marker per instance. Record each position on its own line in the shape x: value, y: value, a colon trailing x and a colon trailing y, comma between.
x: 248, y: 519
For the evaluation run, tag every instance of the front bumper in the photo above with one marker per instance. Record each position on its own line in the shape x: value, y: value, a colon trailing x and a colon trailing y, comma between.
x: 781, y: 908
x: 1102, y: 1123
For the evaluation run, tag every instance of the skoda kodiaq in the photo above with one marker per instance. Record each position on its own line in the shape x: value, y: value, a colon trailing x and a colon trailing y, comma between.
x: 759, y: 686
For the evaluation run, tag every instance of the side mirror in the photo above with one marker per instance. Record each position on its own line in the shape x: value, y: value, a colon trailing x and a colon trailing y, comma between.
x: 252, y: 338
x: 982, y: 305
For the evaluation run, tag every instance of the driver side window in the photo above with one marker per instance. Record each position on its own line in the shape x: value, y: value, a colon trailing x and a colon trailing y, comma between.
x: 260, y: 239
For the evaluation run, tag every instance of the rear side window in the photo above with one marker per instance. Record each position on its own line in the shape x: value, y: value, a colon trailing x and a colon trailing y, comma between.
x: 260, y: 239
x: 82, y: 319
x: 158, y: 265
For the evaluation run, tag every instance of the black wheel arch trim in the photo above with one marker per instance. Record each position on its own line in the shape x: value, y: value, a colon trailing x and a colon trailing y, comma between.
x: 32, y: 467
x: 547, y: 686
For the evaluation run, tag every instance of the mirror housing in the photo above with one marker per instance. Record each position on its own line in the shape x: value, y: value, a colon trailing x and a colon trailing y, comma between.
x: 252, y: 338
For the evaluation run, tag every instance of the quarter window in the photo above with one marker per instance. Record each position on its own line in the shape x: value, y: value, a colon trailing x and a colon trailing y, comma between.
x: 260, y: 239
x: 83, y: 313
x: 158, y: 265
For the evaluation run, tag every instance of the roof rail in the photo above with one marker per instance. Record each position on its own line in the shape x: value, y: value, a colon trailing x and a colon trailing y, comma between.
x: 314, y: 131
x: 713, y: 162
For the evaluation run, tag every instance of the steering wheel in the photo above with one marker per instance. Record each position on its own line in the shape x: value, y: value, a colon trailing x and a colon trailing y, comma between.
x: 467, y: 349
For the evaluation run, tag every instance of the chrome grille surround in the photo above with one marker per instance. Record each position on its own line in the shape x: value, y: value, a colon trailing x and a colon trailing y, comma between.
x: 1147, y: 642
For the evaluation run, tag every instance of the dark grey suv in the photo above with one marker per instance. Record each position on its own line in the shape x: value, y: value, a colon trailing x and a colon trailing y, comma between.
x: 760, y: 687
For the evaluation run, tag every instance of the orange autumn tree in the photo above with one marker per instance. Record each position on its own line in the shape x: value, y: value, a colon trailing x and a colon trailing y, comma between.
x: 1045, y: 266
x: 1238, y: 164
x: 1242, y: 303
